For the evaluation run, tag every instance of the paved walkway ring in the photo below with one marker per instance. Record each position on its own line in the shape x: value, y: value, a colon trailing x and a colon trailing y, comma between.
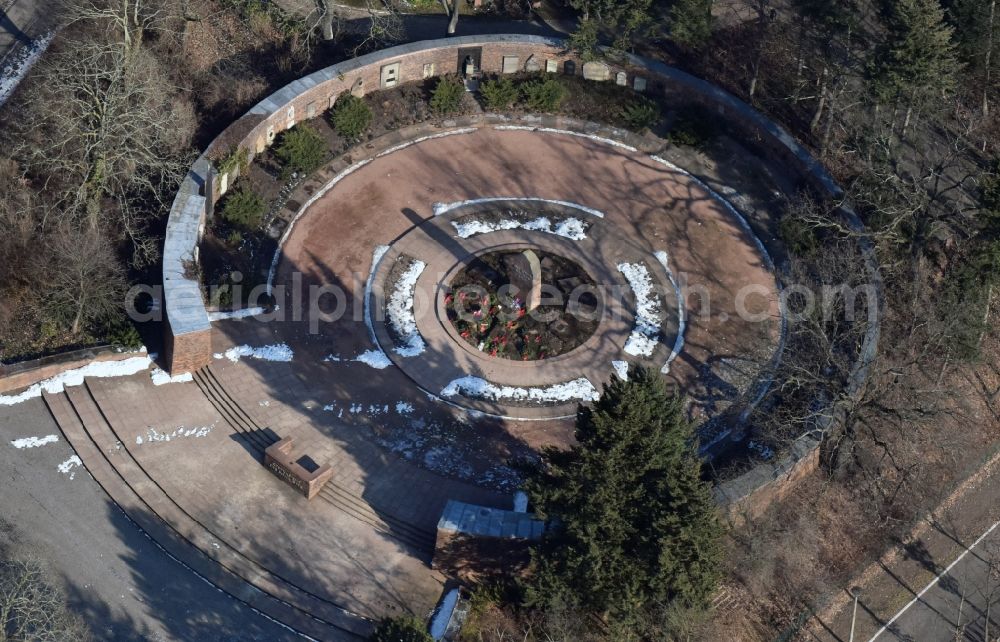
x: 448, y: 357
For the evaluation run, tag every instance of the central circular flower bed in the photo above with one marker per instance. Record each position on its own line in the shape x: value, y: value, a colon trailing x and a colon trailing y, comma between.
x: 523, y: 305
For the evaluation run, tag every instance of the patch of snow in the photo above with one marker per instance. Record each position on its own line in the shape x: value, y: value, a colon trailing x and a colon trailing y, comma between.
x: 235, y: 314
x: 34, y: 442
x: 444, y: 208
x: 154, y: 435
x: 577, y: 390
x: 571, y: 228
x: 377, y: 255
x: 12, y: 75
x: 76, y: 376
x: 664, y: 259
x: 275, y: 352
x: 68, y: 466
x: 400, y: 311
x: 403, y: 408
x: 160, y: 377
x: 520, y: 502
x: 552, y: 130
x: 649, y: 310
x: 621, y: 369
x: 467, y: 130
x: 442, y: 616
x: 374, y: 358
x: 330, y: 358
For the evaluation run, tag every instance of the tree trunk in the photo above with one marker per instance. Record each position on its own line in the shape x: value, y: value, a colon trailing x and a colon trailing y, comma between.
x: 327, y: 20
x: 77, y: 318
x: 988, y: 61
x: 453, y: 22
x: 822, y: 102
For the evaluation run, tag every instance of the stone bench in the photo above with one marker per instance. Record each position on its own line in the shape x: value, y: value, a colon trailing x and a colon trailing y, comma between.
x: 302, y: 473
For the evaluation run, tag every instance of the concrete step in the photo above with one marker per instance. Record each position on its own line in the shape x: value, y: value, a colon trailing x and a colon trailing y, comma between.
x: 420, y: 539
x: 100, y: 451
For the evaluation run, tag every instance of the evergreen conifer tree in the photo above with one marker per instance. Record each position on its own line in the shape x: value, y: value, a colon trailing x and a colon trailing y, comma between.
x: 634, y: 523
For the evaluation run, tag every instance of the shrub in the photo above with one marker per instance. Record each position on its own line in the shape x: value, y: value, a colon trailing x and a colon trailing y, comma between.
x: 543, y: 95
x: 499, y: 94
x: 123, y: 335
x: 585, y: 40
x: 351, y: 117
x: 243, y: 208
x: 401, y: 629
x: 301, y: 149
x: 447, y: 96
x: 692, y: 128
x: 798, y: 237
x: 641, y: 114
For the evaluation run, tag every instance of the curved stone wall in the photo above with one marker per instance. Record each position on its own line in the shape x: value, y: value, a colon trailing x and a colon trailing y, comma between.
x: 188, y: 328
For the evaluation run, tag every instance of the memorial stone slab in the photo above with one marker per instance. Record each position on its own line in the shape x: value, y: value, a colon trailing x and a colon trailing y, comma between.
x: 389, y: 75
x: 639, y: 84
x: 510, y: 64
x: 621, y: 79
x: 551, y: 66
x: 531, y: 64
x: 596, y: 71
x: 358, y: 88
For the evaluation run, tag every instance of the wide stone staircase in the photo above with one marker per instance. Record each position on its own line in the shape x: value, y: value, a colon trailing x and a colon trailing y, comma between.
x: 419, y: 540
x: 109, y: 461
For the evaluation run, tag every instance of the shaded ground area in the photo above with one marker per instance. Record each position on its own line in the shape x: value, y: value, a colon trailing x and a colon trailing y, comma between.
x: 953, y: 607
x: 120, y: 582
x: 380, y: 202
x: 21, y: 21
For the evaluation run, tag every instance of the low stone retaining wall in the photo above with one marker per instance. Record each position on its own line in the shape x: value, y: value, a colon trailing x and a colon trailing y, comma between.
x: 27, y: 373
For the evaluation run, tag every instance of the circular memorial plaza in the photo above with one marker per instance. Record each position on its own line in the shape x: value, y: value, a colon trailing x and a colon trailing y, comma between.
x: 507, y: 273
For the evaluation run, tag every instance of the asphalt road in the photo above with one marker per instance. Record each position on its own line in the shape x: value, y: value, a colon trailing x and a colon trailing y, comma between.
x: 116, y: 578
x: 954, y: 605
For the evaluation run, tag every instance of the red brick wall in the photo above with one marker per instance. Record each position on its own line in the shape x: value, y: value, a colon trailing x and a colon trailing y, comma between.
x: 187, y: 352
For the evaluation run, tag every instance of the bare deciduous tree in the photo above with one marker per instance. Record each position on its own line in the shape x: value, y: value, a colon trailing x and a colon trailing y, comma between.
x: 31, y: 608
x: 86, y: 280
x: 107, y: 124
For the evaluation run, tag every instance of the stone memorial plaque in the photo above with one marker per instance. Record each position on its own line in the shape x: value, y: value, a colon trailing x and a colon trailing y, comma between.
x: 510, y: 64
x: 551, y: 66
x: 390, y: 75
x: 569, y: 68
x: 596, y: 71
x: 621, y: 79
x: 639, y: 84
x: 303, y: 474
x: 358, y: 88
x: 531, y: 64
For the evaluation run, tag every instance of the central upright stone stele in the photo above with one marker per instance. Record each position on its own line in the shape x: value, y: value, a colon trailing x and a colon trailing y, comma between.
x: 525, y: 273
